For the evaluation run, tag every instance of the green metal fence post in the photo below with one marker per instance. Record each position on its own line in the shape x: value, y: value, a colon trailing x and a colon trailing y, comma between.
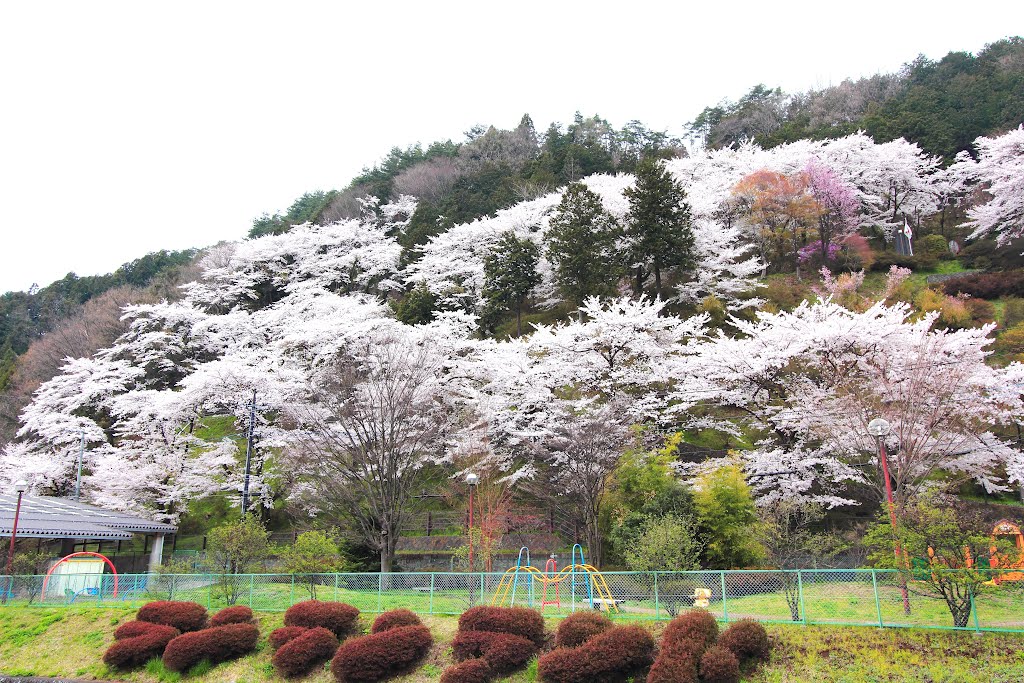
x: 209, y: 590
x: 878, y: 604
x: 974, y: 610
x: 335, y: 587
x: 252, y: 583
x: 657, y: 607
x: 481, y: 588
x: 291, y: 595
x: 380, y: 589
x: 800, y: 592
x: 725, y: 606
x: 431, y: 604
x: 171, y: 596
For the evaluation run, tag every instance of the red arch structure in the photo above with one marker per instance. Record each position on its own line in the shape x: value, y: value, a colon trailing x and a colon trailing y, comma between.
x: 106, y: 559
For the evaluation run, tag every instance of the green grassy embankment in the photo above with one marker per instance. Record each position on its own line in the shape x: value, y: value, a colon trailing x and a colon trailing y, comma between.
x: 70, y: 643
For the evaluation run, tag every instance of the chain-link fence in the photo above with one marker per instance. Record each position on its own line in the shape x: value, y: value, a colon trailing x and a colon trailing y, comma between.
x: 862, y: 597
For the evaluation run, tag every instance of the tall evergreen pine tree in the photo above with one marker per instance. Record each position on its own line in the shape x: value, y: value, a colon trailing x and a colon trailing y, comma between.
x: 581, y: 244
x: 510, y: 273
x: 658, y: 229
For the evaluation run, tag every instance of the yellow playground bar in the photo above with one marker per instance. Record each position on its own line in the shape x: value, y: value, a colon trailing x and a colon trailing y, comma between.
x: 579, y: 576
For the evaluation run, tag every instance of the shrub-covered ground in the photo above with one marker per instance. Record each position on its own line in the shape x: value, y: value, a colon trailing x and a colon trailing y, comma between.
x: 70, y: 642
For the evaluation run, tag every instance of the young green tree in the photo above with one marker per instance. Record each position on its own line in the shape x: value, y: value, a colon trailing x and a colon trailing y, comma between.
x: 28, y: 568
x: 667, y: 543
x: 581, y: 244
x: 791, y: 542
x: 728, y: 519
x: 313, y: 553
x: 236, y: 548
x: 658, y: 229
x: 510, y: 274
x: 944, y: 546
x: 644, y: 490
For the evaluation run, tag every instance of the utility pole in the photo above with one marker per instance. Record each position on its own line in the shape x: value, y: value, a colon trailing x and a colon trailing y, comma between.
x: 248, y: 454
x: 81, y: 454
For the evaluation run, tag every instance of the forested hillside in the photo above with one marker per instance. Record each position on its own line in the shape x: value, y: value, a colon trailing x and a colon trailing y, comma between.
x: 567, y: 314
x: 941, y: 105
x: 74, y: 317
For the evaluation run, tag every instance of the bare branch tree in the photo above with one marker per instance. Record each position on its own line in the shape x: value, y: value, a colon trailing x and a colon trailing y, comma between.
x: 582, y: 451
x: 374, y: 421
x: 430, y: 180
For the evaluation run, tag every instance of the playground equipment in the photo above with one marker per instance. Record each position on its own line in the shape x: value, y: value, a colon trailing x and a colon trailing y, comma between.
x: 1006, y: 528
x: 579, y: 574
x: 86, y: 580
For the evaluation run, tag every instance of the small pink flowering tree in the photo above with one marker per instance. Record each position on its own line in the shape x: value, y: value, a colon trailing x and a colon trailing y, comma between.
x: 838, y: 206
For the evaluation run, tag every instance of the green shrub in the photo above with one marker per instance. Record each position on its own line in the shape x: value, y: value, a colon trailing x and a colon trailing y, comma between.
x: 932, y: 245
x: 1013, y: 312
x: 727, y: 512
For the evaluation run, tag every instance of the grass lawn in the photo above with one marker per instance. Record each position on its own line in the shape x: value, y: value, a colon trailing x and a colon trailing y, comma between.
x: 70, y: 643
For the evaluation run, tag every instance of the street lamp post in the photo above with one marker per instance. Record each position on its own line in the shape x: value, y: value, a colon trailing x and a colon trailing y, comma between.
x: 879, y: 428
x: 472, y: 479
x: 20, y: 486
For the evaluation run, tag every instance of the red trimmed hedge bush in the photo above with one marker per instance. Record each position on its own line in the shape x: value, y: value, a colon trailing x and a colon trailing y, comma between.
x: 336, y: 617
x: 677, y: 662
x: 184, y: 616
x: 393, y: 618
x: 986, y: 285
x: 137, y: 643
x: 280, y: 636
x: 503, y: 652
x: 469, y: 671
x: 518, y: 621
x: 718, y: 665
x: 130, y: 629
x: 579, y: 627
x: 239, y: 614
x: 614, y: 655
x: 299, y: 655
x: 698, y: 625
x: 379, y: 655
x: 217, y: 645
x: 684, y: 641
x: 746, y: 639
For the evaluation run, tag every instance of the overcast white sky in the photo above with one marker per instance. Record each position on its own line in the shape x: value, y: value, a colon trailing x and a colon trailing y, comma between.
x: 127, y: 127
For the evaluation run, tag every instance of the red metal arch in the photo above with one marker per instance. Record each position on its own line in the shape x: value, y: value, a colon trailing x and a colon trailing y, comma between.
x: 106, y: 559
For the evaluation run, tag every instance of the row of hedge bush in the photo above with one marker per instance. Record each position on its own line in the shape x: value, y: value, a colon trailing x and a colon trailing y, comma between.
x: 490, y: 642
x: 494, y: 641
x: 987, y: 285
x: 182, y: 634
x: 692, y: 650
